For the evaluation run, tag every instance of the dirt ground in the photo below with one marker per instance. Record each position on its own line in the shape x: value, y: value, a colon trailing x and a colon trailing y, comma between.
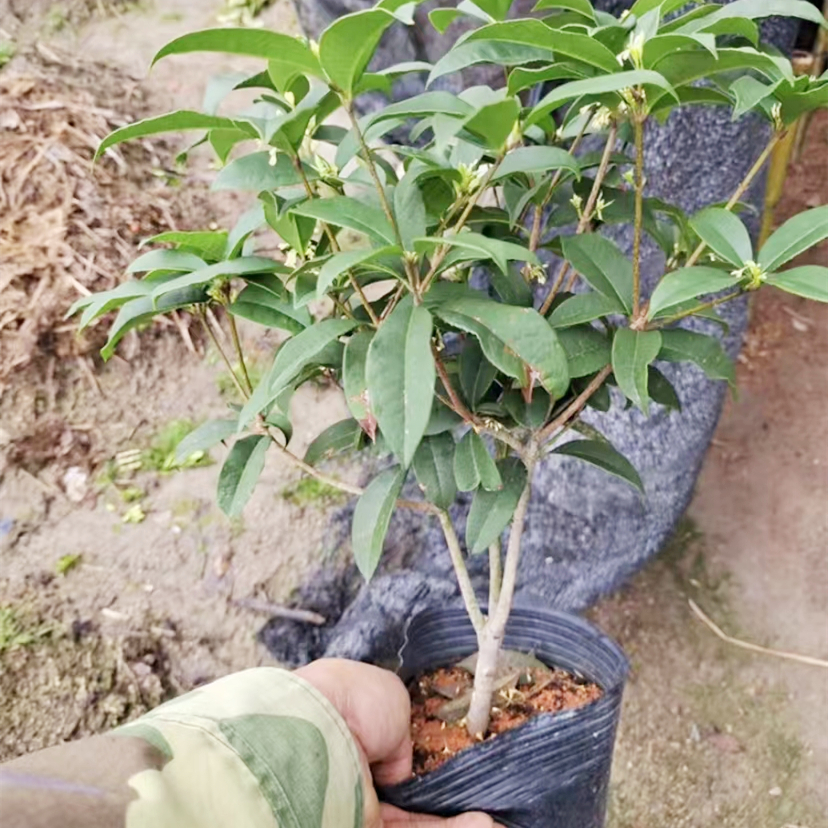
x: 118, y: 589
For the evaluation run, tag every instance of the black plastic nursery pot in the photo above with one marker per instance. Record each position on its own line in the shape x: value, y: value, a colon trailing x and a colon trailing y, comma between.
x: 554, y: 770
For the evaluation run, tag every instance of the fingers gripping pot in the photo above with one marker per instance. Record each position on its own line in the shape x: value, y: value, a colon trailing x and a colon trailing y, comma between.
x: 553, y: 771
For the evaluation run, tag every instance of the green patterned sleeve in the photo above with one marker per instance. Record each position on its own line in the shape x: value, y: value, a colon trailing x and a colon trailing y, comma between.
x: 261, y: 748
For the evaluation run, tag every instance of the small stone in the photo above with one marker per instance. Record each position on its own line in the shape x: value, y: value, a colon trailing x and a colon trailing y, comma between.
x: 776, y: 791
x: 76, y: 484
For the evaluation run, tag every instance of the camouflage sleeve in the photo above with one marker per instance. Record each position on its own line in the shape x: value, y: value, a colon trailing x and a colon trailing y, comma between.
x: 258, y: 749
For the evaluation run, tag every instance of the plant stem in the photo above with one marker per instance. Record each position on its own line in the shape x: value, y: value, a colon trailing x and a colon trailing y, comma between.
x: 490, y: 640
x: 495, y: 573
x: 576, y: 406
x: 586, y: 215
x: 457, y: 404
x: 704, y: 306
x: 462, y: 573
x: 234, y: 333
x: 638, y: 126
x: 742, y: 188
x: 211, y: 333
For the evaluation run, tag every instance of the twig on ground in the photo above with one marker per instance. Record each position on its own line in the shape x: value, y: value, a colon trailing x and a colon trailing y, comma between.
x: 257, y: 605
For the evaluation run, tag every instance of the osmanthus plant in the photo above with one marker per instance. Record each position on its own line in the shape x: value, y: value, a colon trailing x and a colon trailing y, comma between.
x: 467, y: 388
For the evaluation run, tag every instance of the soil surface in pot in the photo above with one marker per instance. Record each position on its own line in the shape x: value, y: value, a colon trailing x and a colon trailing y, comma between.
x: 440, y: 700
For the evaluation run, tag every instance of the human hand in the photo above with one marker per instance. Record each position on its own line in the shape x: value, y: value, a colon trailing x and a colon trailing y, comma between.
x: 375, y: 705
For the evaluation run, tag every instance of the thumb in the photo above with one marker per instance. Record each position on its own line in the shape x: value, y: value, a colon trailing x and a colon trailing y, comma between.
x: 395, y: 818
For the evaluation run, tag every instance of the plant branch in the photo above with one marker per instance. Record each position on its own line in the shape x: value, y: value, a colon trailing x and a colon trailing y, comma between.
x: 638, y: 126
x: 576, y: 406
x: 234, y: 333
x: 586, y: 215
x: 457, y: 404
x: 495, y: 573
x: 702, y: 307
x: 462, y: 573
x: 211, y: 333
x: 742, y: 188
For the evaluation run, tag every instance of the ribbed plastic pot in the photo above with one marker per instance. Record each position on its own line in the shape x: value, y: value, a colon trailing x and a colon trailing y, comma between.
x: 553, y: 771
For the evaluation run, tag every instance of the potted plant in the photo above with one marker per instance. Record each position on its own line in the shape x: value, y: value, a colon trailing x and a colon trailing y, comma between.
x: 469, y: 388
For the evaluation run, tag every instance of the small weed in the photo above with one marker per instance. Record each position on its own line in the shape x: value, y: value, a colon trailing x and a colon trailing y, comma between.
x: 309, y: 492
x: 14, y: 633
x: 160, y: 456
x: 57, y: 19
x: 67, y: 563
x: 7, y: 51
x: 135, y: 514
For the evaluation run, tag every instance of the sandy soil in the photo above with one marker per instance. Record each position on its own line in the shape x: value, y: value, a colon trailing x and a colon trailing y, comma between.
x: 710, y: 735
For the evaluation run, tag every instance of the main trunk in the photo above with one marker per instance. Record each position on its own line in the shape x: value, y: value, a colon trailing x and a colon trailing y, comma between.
x: 490, y: 642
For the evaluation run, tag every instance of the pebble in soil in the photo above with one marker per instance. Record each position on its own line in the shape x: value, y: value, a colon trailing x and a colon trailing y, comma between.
x: 439, y: 701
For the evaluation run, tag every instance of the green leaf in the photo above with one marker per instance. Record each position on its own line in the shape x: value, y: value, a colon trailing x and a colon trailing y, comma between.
x: 512, y: 287
x: 506, y: 332
x: 496, y: 9
x: 182, y: 121
x: 602, y: 264
x: 810, y: 281
x: 207, y: 245
x: 596, y: 86
x: 723, y: 232
x: 424, y: 105
x: 343, y: 436
x: 476, y: 373
x: 661, y: 391
x: 249, y: 222
x: 240, y: 473
x: 755, y: 9
x: 678, y: 286
x: 536, y: 161
x: 584, y: 307
x: 203, y: 438
x: 465, y: 54
x: 632, y: 353
x: 530, y: 415
x: 520, y: 78
x: 491, y: 512
x: 340, y: 263
x: 344, y: 211
x: 604, y: 456
x: 292, y: 358
x: 292, y: 52
x: 494, y: 122
x: 261, y: 306
x: 657, y: 47
x: 587, y: 350
x: 166, y: 260
x: 254, y: 173
x: 534, y: 33
x: 678, y: 345
x: 348, y: 44
x: 434, y: 469
x: 400, y: 372
x: 484, y: 248
x: 234, y: 267
x: 353, y: 374
x: 409, y: 210
x: 749, y: 93
x: 474, y: 466
x: 372, y: 516
x: 582, y: 7
x: 681, y: 68
x: 100, y: 303
x: 795, y: 236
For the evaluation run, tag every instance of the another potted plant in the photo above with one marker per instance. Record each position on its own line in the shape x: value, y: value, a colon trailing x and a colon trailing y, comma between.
x: 468, y: 388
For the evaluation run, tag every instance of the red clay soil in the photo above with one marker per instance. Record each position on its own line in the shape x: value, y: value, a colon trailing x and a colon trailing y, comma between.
x: 438, y: 732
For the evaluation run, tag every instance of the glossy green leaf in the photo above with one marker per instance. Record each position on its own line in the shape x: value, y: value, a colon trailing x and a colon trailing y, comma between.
x: 536, y: 160
x: 400, y: 372
x: 810, y: 281
x: 474, y: 466
x: 686, y: 67
x: 657, y: 47
x: 512, y: 338
x: 465, y: 54
x: 340, y: 437
x: 353, y: 374
x: 291, y: 359
x: 587, y: 350
x: 182, y: 121
x: 521, y: 78
x: 661, y: 391
x: 512, y: 287
x: 532, y: 414
x: 434, y: 468
x: 424, y: 105
x: 757, y: 9
x: 372, y: 516
x: 209, y: 245
x: 476, y: 373
x: 484, y: 248
x: 641, y: 7
x: 249, y: 222
x: 344, y: 211
x: 676, y: 287
x: 534, y: 33
x: 582, y: 7
x: 725, y: 234
x: 203, y: 438
x: 584, y: 307
x: 166, y: 260
x: 795, y: 236
x: 494, y: 122
x: 233, y: 267
x: 491, y: 512
x: 409, y: 210
x: 705, y: 351
x: 496, y: 9
x: 255, y: 173
x: 340, y: 263
x: 240, y: 473
x: 348, y: 44
x: 632, y: 353
x: 599, y: 85
x: 749, y: 93
x: 604, y: 456
x: 260, y: 305
x: 602, y: 264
